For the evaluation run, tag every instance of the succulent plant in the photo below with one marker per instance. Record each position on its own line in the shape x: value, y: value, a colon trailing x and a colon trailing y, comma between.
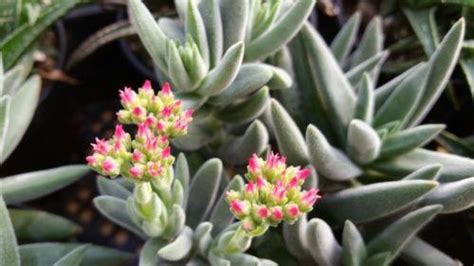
x: 211, y: 57
x: 365, y: 143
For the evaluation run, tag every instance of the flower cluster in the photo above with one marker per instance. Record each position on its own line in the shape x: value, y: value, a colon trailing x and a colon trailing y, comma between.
x: 148, y: 156
x: 273, y: 194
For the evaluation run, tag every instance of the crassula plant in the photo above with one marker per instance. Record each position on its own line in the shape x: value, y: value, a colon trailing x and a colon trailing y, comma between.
x: 367, y: 146
x: 212, y: 55
x: 186, y: 222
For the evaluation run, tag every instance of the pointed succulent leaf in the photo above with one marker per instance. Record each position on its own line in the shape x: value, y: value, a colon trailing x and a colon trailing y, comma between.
x: 4, y: 120
x: 176, y: 221
x: 364, y: 109
x: 197, y: 30
x: 454, y: 196
x: 394, y: 238
x: 48, y: 253
x: 150, y: 34
x: 424, y: 25
x: 238, y: 150
x: 372, y: 201
x: 12, y: 80
x: 181, y: 172
x: 442, y: 62
x: 33, y: 225
x: 280, y: 79
x: 250, y: 78
x: 345, y: 38
x: 455, y: 144
x: 179, y: 248
x: 112, y: 188
x: 467, y: 65
x: 290, y: 141
x: 28, y: 186
x: 418, y: 252
x: 211, y: 17
x: 284, y: 29
x: 203, y: 191
x: 234, y: 16
x: 197, y: 137
x: 409, y: 139
x: 127, y: 184
x: 354, y: 75
x: 383, y: 92
x: 371, y: 42
x: 330, y: 162
x: 454, y: 167
x: 224, y: 73
x: 172, y: 28
x: 202, y: 238
x: 403, y: 101
x: 296, y: 239
x: 149, y: 253
x: 379, y: 259
x: 8, y: 243
x: 243, y: 259
x: 353, y: 246
x: 335, y: 90
x: 176, y: 68
x: 221, y: 217
x: 73, y: 258
x: 322, y: 243
x: 115, y: 210
x: 363, y: 142
x: 246, y: 111
x: 429, y: 172
x: 22, y: 109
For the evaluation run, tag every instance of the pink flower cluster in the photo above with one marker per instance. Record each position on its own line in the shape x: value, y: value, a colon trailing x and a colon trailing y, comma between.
x: 273, y: 194
x: 148, y: 156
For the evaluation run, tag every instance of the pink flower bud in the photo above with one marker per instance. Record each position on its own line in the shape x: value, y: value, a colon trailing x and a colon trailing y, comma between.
x: 277, y: 214
x: 119, y: 133
x: 250, y: 188
x: 310, y: 197
x: 247, y: 224
x: 189, y: 113
x: 278, y: 192
x: 166, y: 112
x: 138, y: 112
x: 160, y: 126
x: 154, y: 169
x: 292, y: 210
x: 254, y: 164
x: 303, y: 174
x: 91, y: 160
x: 239, y: 208
x: 137, y: 156
x: 293, y: 183
x: 127, y: 96
x: 263, y: 212
x: 150, y: 121
x: 166, y: 89
x: 136, y: 171
x: 110, y: 166
x: 143, y: 131
x: 101, y: 146
x: 146, y: 85
x: 166, y: 152
x: 261, y: 183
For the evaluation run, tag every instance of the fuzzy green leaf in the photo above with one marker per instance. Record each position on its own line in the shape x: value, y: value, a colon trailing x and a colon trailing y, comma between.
x: 8, y: 244
x: 372, y: 201
x: 290, y: 141
x: 322, y: 243
x: 250, y: 78
x: 32, y: 225
x: 371, y: 42
x: 197, y: 30
x: 4, y: 120
x: 455, y: 144
x: 330, y: 162
x: 115, y: 210
x: 172, y: 28
x: 202, y: 237
x: 238, y: 150
x: 221, y: 217
x: 364, y: 109
x: 149, y: 254
x: 418, y: 252
x: 280, y: 79
x: 176, y: 221
x: 197, y: 137
x: 363, y: 142
x: 246, y: 111
x: 203, y: 191
x: 13, y: 79
x: 454, y: 167
x: 284, y: 29
x: 354, y: 75
x: 179, y: 248
x: 383, y: 92
x: 234, y: 16
x: 403, y: 101
x: 73, y: 258
x: 150, y: 34
x: 442, y: 62
x: 332, y: 85
x: 455, y: 196
x: 176, y: 69
x: 48, y: 253
x: 296, y: 239
x: 345, y: 38
x: 181, y: 173
x: 22, y: 108
x: 409, y: 139
x: 224, y: 73
x: 429, y: 172
x: 353, y: 246
x: 211, y: 17
x: 397, y: 235
x: 379, y: 259
x: 112, y: 188
x: 28, y: 186
x: 424, y: 25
